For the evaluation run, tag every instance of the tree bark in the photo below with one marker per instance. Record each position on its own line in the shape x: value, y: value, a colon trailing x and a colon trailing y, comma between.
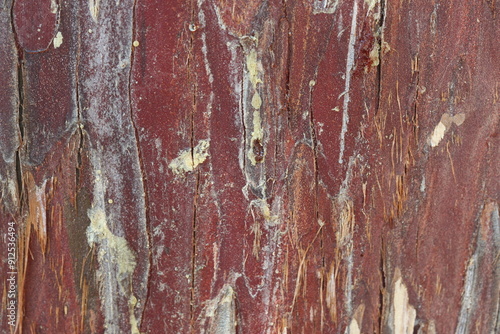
x: 216, y: 166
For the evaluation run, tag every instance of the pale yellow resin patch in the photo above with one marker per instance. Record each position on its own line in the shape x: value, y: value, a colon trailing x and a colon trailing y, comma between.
x: 257, y: 132
x: 254, y: 67
x: 187, y: 161
x: 134, y: 328
x: 53, y: 6
x: 256, y: 101
x: 371, y: 4
x: 374, y: 54
x: 116, y: 249
x: 438, y: 134
x: 265, y: 211
x: 58, y: 40
x: 442, y: 127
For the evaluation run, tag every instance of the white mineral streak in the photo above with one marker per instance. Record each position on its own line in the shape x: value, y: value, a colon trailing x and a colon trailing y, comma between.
x: 346, y: 93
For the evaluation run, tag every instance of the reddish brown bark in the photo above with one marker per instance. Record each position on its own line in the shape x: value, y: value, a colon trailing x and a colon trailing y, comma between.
x: 250, y: 167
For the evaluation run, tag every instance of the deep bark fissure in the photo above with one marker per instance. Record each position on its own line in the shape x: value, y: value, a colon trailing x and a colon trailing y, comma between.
x: 316, y: 171
x: 415, y: 133
x: 242, y: 112
x: 192, y: 79
x: 141, y: 166
x: 415, y: 107
x: 382, y: 270
x: 20, y: 120
x: 383, y: 289
x: 193, y: 256
x: 20, y: 112
x: 497, y: 318
x: 79, y: 115
x: 22, y: 227
x: 276, y: 114
x: 380, y: 28
x: 289, y: 48
x: 314, y: 138
x: 79, y: 160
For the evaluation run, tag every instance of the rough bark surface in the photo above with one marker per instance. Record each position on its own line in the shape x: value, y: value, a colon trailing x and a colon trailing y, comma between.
x: 279, y: 166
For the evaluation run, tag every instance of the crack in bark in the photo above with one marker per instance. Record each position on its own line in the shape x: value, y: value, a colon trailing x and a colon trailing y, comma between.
x: 381, y: 24
x: 191, y: 78
x: 193, y: 256
x: 86, y: 267
x: 289, y: 48
x: 78, y: 111
x: 141, y: 170
x: 20, y: 119
x: 243, y: 120
x: 316, y: 174
x: 383, y: 288
x: 23, y: 235
x: 382, y: 269
x: 497, y: 318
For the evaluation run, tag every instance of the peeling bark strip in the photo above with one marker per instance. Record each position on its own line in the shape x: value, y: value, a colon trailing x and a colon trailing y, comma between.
x: 222, y: 312
x: 218, y: 166
x: 117, y: 229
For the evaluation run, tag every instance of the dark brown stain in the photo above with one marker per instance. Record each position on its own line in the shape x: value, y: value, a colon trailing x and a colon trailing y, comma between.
x: 258, y: 150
